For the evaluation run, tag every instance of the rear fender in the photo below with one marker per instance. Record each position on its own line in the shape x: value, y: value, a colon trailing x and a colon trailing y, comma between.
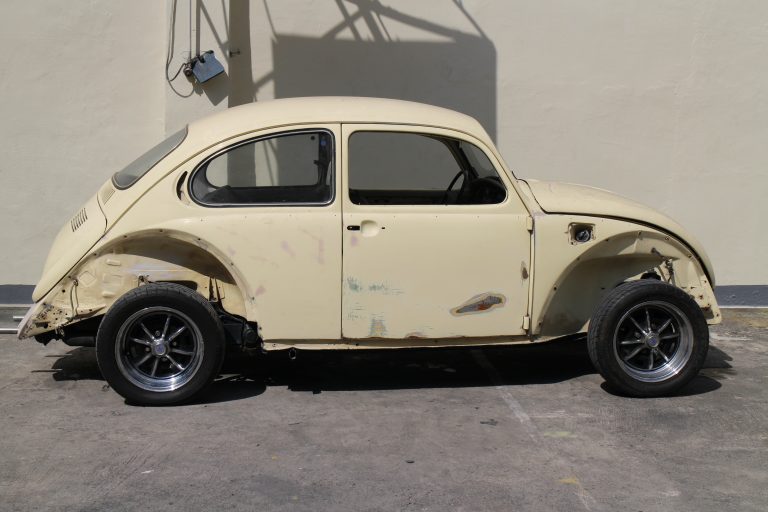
x: 130, y: 261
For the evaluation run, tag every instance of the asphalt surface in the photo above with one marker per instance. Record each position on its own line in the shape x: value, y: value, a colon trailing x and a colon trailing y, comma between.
x: 521, y: 428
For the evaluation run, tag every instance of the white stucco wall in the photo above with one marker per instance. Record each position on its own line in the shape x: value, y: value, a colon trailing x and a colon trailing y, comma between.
x: 665, y: 102
x: 81, y: 94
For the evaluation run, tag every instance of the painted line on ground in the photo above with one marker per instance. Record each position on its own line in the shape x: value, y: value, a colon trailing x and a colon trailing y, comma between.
x: 525, y: 421
x: 719, y: 337
x: 506, y: 395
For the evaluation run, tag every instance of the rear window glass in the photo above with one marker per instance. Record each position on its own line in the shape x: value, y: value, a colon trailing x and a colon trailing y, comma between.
x: 139, y: 167
x: 289, y: 168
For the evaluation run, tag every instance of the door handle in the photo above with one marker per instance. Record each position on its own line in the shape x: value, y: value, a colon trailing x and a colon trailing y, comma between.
x: 352, y: 227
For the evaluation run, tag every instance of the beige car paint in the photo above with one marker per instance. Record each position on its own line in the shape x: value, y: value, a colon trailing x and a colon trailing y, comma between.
x: 570, y: 277
x: 283, y: 267
x: 554, y: 197
x: 418, y: 270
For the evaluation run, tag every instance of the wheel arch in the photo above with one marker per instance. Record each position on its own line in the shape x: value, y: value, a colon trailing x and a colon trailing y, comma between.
x: 571, y: 281
x: 128, y: 261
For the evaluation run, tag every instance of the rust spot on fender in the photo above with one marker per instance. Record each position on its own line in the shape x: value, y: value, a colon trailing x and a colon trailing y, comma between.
x: 480, y: 304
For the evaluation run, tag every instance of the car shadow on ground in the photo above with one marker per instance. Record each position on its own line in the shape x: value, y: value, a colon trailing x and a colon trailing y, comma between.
x: 245, y: 376
x: 716, y: 367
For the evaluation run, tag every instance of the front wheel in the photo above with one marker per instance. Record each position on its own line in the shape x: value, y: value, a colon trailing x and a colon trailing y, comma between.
x: 160, y: 344
x: 648, y: 338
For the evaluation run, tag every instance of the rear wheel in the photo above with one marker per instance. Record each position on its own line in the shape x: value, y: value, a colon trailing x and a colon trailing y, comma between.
x: 160, y: 344
x: 648, y: 338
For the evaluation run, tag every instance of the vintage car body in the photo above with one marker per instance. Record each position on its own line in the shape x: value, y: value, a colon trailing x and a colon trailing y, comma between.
x: 348, y: 273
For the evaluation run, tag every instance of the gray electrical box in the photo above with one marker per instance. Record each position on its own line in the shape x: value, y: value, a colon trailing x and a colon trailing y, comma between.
x: 205, y: 66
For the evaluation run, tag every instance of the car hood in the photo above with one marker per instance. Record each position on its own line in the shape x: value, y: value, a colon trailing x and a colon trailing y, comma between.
x: 558, y: 197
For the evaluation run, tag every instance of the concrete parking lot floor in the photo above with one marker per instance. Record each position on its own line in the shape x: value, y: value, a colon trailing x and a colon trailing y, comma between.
x: 521, y: 428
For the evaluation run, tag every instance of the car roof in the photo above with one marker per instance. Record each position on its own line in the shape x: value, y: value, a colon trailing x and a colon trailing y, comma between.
x: 332, y: 109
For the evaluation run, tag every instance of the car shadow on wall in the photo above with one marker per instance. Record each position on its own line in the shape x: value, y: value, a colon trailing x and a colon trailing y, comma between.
x: 452, y: 66
x: 316, y: 372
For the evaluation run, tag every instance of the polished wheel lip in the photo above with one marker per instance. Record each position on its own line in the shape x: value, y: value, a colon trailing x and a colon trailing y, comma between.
x: 159, y: 349
x: 660, y: 361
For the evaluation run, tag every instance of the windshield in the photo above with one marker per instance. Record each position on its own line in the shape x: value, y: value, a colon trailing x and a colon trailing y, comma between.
x: 139, y: 167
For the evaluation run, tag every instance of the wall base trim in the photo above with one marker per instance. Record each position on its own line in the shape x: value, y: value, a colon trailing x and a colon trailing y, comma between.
x: 16, y: 294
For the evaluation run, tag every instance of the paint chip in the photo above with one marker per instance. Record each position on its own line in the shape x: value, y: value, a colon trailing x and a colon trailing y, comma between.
x: 480, y: 304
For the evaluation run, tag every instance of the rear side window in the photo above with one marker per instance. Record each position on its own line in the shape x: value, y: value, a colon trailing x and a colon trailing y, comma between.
x: 291, y: 168
x: 141, y: 166
x: 398, y: 168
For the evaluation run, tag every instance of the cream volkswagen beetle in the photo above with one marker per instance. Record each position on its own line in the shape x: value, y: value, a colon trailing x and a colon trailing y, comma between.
x: 327, y: 223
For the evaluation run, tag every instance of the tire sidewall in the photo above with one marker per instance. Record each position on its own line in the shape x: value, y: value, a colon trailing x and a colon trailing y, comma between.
x: 174, y: 297
x: 605, y: 323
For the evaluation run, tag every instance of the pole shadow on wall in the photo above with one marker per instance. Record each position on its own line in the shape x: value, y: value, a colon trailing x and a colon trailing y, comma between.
x: 215, y: 90
x: 457, y: 72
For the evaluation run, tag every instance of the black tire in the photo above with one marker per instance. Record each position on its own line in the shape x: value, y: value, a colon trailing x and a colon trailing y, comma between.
x: 648, y: 338
x: 148, y: 331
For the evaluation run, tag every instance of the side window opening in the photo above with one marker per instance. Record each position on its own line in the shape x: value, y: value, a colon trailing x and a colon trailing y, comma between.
x: 290, y: 168
x: 399, y: 168
x: 126, y: 177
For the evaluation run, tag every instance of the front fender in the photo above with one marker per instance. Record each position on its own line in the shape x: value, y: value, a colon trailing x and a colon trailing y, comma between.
x: 570, y: 278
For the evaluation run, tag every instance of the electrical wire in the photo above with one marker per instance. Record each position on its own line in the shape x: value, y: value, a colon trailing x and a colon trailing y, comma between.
x: 169, y: 54
x: 171, y: 79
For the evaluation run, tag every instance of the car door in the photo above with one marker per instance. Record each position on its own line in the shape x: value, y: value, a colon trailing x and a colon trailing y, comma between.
x: 420, y: 260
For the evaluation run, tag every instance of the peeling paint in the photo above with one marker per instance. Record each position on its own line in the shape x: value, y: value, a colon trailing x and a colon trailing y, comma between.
x: 354, y: 285
x: 384, y: 289
x: 480, y: 304
x: 378, y: 328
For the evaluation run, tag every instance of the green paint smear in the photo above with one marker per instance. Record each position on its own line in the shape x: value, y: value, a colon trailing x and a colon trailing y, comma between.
x: 354, y: 284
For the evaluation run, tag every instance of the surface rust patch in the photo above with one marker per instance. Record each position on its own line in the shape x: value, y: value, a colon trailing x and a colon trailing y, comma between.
x: 480, y: 304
